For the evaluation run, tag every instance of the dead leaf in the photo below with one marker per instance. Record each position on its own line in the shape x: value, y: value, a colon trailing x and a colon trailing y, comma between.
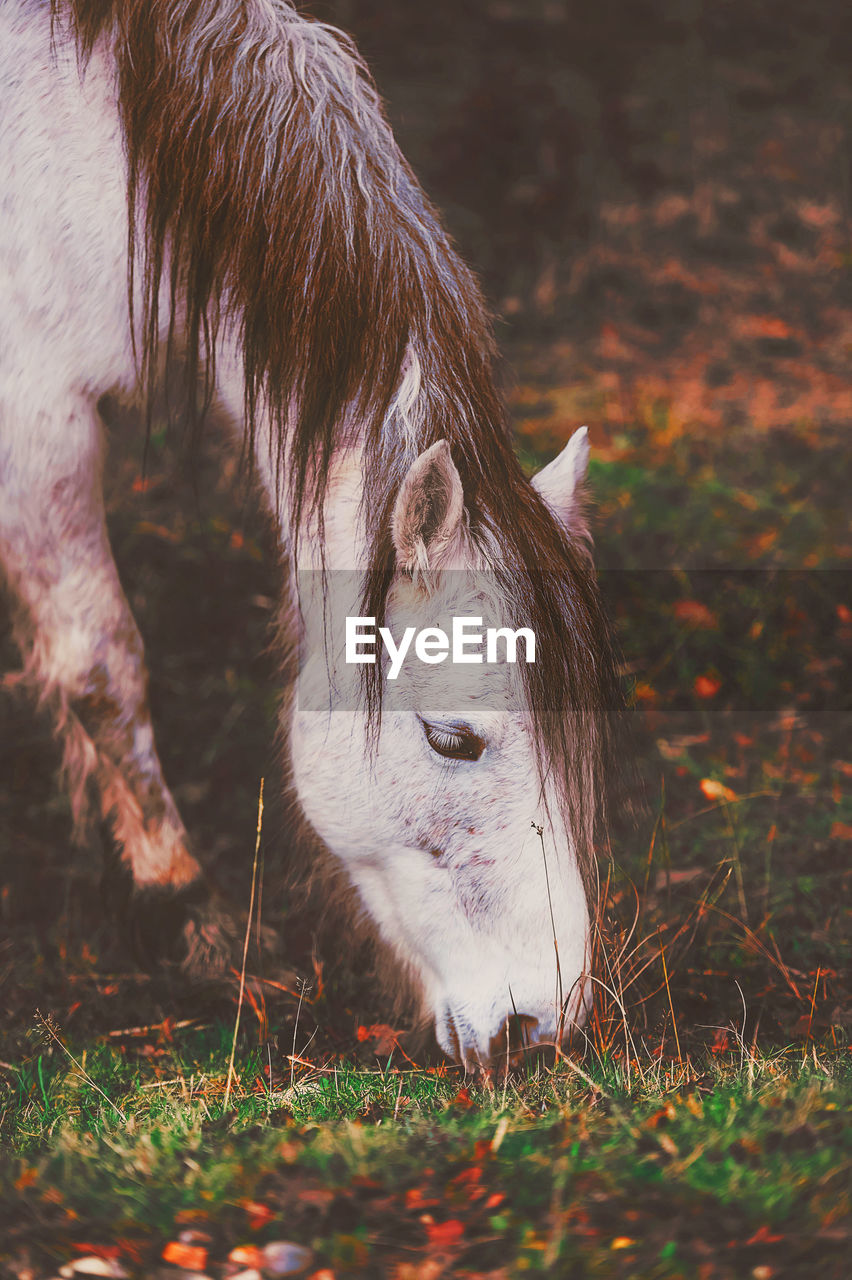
x: 386, y: 1039
x: 191, y: 1257
x: 248, y: 1255
x: 259, y: 1214
x: 764, y: 1236
x: 714, y: 790
x: 319, y: 1197
x: 696, y: 614
x: 444, y: 1235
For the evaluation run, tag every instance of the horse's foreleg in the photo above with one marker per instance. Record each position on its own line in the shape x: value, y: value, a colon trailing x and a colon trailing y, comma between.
x: 83, y: 651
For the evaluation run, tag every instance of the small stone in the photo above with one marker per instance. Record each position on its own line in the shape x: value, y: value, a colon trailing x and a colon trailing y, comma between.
x: 192, y: 1236
x: 280, y: 1258
x: 93, y: 1266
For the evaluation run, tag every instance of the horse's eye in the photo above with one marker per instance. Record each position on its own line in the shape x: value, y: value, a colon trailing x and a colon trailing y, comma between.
x: 453, y: 741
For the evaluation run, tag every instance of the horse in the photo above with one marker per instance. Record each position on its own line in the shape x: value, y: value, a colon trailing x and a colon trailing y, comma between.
x: 213, y: 185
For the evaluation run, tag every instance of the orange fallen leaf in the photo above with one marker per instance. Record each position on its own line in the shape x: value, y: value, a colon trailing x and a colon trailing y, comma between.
x: 248, y: 1255
x: 764, y: 1236
x: 415, y: 1199
x: 444, y: 1235
x: 765, y: 326
x: 662, y: 1116
x: 429, y: 1269
x: 386, y: 1039
x: 191, y: 1257
x: 761, y: 543
x: 714, y: 790
x: 318, y: 1197
x: 696, y: 614
x: 259, y: 1214
x: 707, y: 686
x: 841, y: 831
x: 157, y: 531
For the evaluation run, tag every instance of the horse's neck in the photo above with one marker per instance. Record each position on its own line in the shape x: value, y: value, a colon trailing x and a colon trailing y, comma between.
x: 340, y: 544
x: 336, y: 543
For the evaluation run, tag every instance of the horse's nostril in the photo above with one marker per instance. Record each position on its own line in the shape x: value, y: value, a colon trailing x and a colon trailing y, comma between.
x: 515, y: 1038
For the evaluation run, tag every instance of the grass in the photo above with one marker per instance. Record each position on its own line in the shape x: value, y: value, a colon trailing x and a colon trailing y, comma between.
x: 703, y: 1132
x: 623, y: 1173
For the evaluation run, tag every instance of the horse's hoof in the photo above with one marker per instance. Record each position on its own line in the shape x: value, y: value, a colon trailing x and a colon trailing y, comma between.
x: 210, y: 940
x: 189, y: 929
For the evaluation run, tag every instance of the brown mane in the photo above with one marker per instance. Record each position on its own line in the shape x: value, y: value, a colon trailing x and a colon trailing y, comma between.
x: 266, y: 189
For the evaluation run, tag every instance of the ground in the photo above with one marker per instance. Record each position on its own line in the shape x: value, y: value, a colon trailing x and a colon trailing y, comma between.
x: 658, y: 200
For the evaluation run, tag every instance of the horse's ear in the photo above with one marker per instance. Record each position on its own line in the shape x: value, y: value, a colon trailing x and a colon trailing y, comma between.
x: 562, y: 484
x: 428, y: 517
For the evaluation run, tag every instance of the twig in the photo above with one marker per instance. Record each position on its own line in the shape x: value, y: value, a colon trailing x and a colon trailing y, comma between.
x: 295, y: 1030
x: 669, y: 994
x: 813, y: 1003
x: 127, y: 1032
x: 540, y: 833
x: 743, y: 1028
x: 245, y: 948
x: 48, y: 1027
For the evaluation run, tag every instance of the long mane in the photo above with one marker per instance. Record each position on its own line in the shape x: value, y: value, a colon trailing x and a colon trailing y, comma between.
x: 266, y: 191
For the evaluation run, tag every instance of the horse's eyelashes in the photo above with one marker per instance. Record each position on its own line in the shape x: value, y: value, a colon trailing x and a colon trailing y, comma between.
x: 453, y: 742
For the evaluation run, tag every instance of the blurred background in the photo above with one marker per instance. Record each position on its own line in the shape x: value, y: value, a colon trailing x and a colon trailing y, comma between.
x: 657, y: 196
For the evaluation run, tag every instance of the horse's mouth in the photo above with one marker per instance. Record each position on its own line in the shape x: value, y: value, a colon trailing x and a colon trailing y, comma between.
x: 516, y: 1044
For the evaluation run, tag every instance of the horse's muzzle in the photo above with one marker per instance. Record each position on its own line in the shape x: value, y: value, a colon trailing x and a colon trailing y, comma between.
x: 518, y: 1043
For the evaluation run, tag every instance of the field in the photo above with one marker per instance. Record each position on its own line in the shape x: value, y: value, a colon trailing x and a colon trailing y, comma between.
x: 663, y: 224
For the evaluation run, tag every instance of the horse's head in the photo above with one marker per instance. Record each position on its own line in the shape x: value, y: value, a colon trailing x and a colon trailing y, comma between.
x: 443, y: 812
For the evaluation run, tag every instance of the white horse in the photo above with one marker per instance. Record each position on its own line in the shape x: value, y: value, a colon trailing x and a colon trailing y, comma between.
x: 232, y: 160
